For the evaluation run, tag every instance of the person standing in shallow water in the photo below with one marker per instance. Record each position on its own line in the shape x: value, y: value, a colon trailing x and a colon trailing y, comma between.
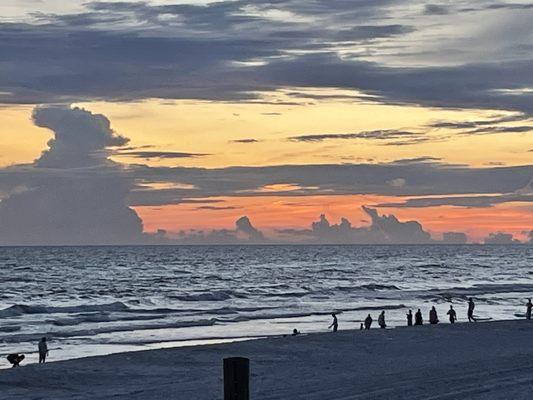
x: 368, y: 322
x: 410, y: 318
x: 471, y: 306
x: 452, y: 315
x: 381, y: 320
x: 433, y: 318
x: 335, y: 323
x: 418, y: 318
x: 43, y: 350
x: 529, y: 306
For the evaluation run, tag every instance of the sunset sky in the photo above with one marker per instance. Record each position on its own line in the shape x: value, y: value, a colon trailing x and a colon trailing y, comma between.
x: 196, y: 113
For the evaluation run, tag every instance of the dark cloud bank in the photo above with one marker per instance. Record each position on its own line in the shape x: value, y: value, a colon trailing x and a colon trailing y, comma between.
x: 135, y: 50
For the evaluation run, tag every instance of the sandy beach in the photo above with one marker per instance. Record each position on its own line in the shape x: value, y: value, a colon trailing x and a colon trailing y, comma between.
x: 492, y: 360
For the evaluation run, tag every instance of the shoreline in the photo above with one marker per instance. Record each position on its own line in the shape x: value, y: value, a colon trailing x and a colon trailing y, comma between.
x: 468, y: 360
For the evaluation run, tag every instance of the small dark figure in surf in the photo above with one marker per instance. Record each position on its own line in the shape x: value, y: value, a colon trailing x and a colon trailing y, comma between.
x: 335, y: 323
x: 529, y: 306
x: 15, y: 359
x: 361, y: 327
x: 43, y: 350
x: 368, y: 322
x: 433, y: 318
x: 452, y: 315
x: 418, y: 318
x: 381, y: 320
x: 471, y: 306
x: 295, y: 332
x: 410, y: 318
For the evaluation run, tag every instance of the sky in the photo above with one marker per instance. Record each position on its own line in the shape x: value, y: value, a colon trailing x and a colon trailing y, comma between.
x: 287, y: 121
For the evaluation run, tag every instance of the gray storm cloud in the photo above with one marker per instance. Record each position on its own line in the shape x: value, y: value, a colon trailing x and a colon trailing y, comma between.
x: 76, y: 194
x: 384, y: 229
x: 244, y: 233
x: 454, y: 238
x: 80, y: 137
x: 500, y: 238
x: 243, y: 225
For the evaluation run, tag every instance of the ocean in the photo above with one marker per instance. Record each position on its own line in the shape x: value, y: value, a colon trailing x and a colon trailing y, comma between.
x: 101, y: 300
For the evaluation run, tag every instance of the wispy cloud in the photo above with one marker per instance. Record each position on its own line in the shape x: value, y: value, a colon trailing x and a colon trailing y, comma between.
x: 381, y: 135
x: 217, y: 208
x: 159, y: 154
x: 436, y: 9
x: 244, y: 141
x: 459, y: 201
x: 488, y: 126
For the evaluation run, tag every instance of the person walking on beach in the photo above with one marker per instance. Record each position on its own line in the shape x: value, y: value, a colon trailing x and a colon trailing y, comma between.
x: 381, y: 320
x: 452, y: 315
x: 418, y: 318
x: 433, y: 318
x: 335, y: 323
x: 410, y: 318
x: 529, y: 306
x: 43, y: 350
x: 471, y: 306
x: 15, y: 359
x: 368, y: 322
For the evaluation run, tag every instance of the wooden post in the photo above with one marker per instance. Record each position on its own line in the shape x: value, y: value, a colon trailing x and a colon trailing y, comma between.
x: 236, y: 378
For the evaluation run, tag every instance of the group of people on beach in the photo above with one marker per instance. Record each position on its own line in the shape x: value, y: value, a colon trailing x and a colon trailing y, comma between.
x: 419, y: 320
x: 368, y: 321
x: 15, y: 358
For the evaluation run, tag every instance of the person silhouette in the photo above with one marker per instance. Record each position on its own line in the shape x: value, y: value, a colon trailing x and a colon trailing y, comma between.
x: 368, y: 322
x: 418, y: 318
x: 43, y: 350
x: 433, y: 318
x: 452, y: 315
x: 410, y: 318
x: 15, y: 359
x: 470, y: 313
x: 295, y: 332
x: 381, y: 320
x: 335, y: 323
x: 529, y: 306
x: 361, y: 327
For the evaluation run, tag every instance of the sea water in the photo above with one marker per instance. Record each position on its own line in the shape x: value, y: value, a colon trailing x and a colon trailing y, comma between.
x: 100, y: 300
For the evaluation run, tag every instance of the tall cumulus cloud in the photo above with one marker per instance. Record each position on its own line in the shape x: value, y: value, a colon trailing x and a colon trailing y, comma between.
x: 76, y: 194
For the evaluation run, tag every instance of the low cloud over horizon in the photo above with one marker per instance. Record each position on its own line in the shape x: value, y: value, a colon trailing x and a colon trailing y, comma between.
x: 382, y: 230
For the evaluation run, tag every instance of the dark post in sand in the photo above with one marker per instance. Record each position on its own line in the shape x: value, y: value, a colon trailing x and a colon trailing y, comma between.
x: 236, y: 378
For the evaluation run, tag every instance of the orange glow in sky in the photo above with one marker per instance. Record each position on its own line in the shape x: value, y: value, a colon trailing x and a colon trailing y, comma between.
x: 271, y: 213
